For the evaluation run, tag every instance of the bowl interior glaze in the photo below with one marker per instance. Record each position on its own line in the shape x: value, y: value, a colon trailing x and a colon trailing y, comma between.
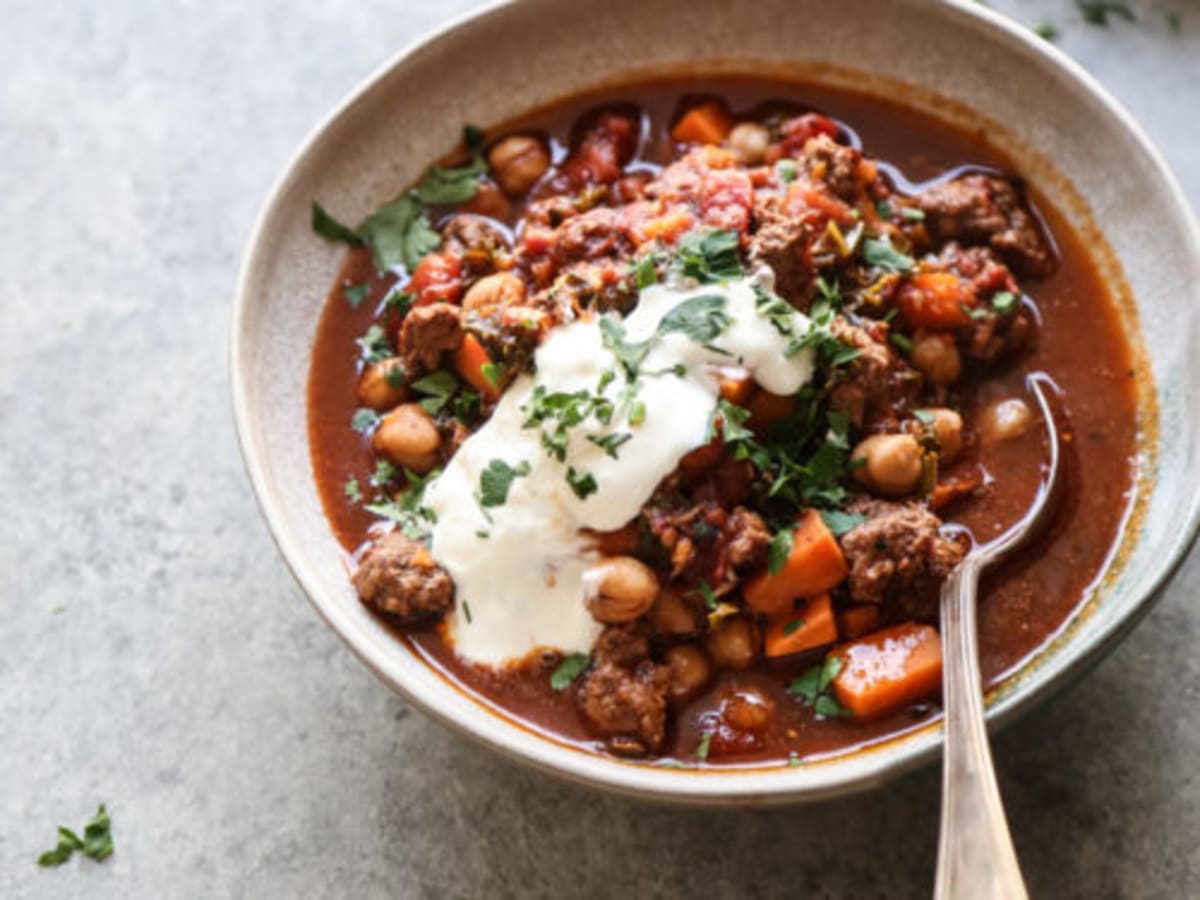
x: 956, y: 61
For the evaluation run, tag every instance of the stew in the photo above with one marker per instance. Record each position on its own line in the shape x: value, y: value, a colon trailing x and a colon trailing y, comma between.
x: 656, y: 418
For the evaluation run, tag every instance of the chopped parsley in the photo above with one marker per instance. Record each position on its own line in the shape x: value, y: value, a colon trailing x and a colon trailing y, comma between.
x: 331, y: 229
x: 1005, y: 302
x: 701, y: 318
x: 374, y: 345
x: 496, y: 480
x: 1097, y: 12
x: 364, y: 420
x: 879, y: 252
x: 710, y: 257
x: 779, y: 550
x: 582, y: 483
x: 568, y: 670
x: 610, y: 443
x: 96, y: 843
x: 355, y: 294
x: 437, y: 388
x: 813, y: 687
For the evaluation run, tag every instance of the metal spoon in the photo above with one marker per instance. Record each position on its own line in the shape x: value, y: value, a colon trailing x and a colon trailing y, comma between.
x: 976, y: 859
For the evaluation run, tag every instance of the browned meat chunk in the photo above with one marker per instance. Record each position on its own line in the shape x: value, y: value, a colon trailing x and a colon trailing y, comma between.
x: 624, y: 696
x: 592, y: 235
x: 986, y: 210
x: 399, y: 578
x: 426, y: 333
x: 781, y: 242
x: 747, y: 538
x: 833, y: 163
x: 862, y: 387
x: 476, y: 242
x: 898, y: 553
x: 989, y: 334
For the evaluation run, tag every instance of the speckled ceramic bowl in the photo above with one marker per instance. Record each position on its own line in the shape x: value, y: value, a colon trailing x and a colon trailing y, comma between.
x: 956, y: 60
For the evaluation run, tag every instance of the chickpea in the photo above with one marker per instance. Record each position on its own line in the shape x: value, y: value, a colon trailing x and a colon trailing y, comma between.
x: 1006, y: 420
x: 624, y: 588
x: 748, y: 710
x: 488, y: 201
x: 948, y: 426
x: 671, y: 615
x: 501, y: 289
x: 936, y: 357
x: 517, y: 162
x: 381, y: 385
x: 734, y: 643
x: 748, y: 143
x: 408, y: 437
x: 690, y: 671
x: 893, y: 463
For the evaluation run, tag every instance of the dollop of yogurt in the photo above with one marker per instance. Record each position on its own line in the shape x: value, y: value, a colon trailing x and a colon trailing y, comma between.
x: 520, y: 566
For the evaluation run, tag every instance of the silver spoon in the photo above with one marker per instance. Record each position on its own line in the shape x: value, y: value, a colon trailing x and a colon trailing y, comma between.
x: 976, y: 860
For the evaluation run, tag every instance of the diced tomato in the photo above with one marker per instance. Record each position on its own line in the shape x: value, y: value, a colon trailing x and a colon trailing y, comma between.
x: 726, y: 196
x: 438, y: 277
x: 537, y: 239
x: 606, y: 147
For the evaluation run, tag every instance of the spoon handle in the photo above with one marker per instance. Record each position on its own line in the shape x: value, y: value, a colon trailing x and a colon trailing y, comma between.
x: 976, y: 859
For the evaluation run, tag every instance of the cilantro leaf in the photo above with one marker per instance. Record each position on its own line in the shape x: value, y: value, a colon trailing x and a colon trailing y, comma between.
x: 96, y: 843
x: 364, y: 420
x: 455, y: 185
x: 839, y: 522
x: 701, y: 318
x: 1005, y: 302
x: 355, y: 294
x: 568, y: 670
x: 703, y: 746
x: 785, y: 170
x: 610, y: 442
x: 645, y: 271
x: 732, y: 419
x: 813, y: 688
x: 331, y: 229
x: 352, y: 491
x: 779, y: 550
x: 374, y: 345
x: 879, y: 252
x: 710, y: 257
x: 438, y: 387
x: 399, y: 233
x: 582, y: 483
x: 629, y: 354
x: 496, y: 480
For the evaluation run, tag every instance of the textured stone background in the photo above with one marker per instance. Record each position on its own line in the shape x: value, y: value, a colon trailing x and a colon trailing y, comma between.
x: 154, y: 653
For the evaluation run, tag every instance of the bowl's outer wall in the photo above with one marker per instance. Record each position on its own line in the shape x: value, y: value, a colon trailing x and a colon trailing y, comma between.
x: 504, y: 61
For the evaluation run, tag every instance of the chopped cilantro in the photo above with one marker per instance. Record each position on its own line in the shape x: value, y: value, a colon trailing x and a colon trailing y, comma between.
x: 879, y: 252
x: 924, y: 416
x: 396, y: 377
x: 1096, y: 12
x: 637, y: 413
x: 902, y: 341
x: 455, y: 185
x: 785, y: 170
x: 496, y: 479
x: 733, y: 418
x: 1005, y: 302
x: 701, y: 318
x: 96, y: 844
x: 703, y: 746
x: 398, y: 302
x: 492, y: 373
x: 438, y: 387
x: 355, y: 294
x: 794, y: 759
x: 793, y: 626
x: 467, y: 406
x: 331, y: 229
x: 384, y: 472
x: 813, y: 688
x: 408, y: 511
x: 709, y: 257
x: 399, y: 233
x: 883, y: 208
x: 374, y: 345
x: 912, y: 214
x: 779, y: 550
x: 629, y: 355
x: 704, y: 589
x: 352, y: 490
x: 582, y: 483
x: 774, y: 309
x: 839, y: 522
x: 609, y: 443
x: 364, y: 420
x: 1045, y: 30
x: 568, y: 670
x: 645, y: 271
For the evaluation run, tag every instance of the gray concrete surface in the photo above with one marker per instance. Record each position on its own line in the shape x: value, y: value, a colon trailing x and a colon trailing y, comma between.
x: 155, y: 655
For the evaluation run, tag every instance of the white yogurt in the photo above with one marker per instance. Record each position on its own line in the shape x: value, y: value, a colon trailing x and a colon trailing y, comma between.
x: 522, y: 587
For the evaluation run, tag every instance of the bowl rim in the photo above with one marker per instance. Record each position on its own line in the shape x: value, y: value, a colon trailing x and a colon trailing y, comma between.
x: 651, y: 782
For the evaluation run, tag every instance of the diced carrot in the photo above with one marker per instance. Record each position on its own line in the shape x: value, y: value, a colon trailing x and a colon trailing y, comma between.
x: 815, y: 565
x: 855, y: 621
x: 469, y: 361
x: 667, y: 227
x: 707, y: 123
x: 936, y: 300
x: 803, y: 629
x: 766, y: 408
x: 889, y: 670
x: 735, y: 384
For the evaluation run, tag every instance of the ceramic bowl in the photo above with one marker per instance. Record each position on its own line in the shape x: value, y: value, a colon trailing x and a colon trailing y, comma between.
x: 956, y: 60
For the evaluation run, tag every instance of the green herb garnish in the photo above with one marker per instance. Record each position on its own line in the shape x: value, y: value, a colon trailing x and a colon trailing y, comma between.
x: 1097, y: 12
x: 364, y: 420
x: 355, y: 294
x: 779, y: 550
x: 710, y: 257
x: 352, y: 491
x: 331, y: 229
x: 496, y: 479
x: 880, y: 253
x: 438, y: 387
x: 813, y: 687
x: 96, y: 844
x: 568, y: 670
x: 701, y: 318
x: 582, y: 483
